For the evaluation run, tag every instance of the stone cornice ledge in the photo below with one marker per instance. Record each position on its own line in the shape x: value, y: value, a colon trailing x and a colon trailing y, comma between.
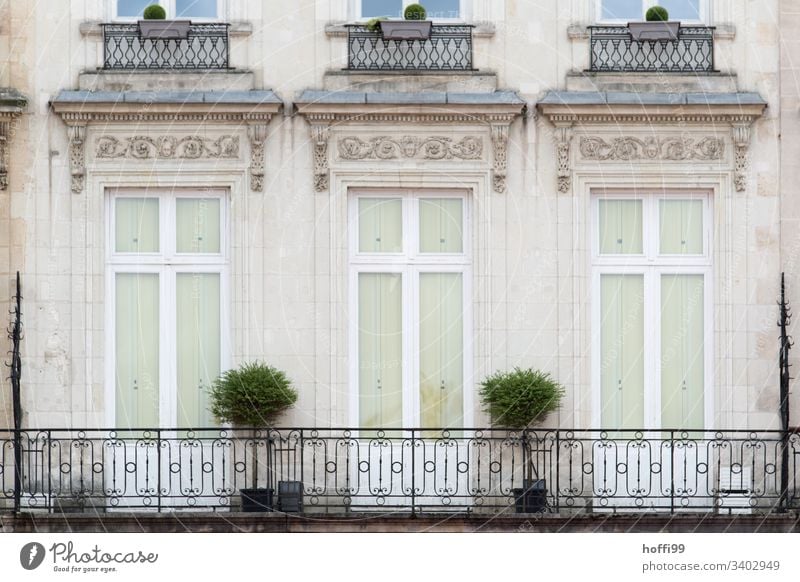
x: 82, y: 107
x: 582, y: 108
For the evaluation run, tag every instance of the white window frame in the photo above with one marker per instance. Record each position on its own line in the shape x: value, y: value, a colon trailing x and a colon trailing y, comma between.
x: 651, y: 264
x: 167, y: 264
x: 705, y: 13
x: 410, y: 264
x: 169, y: 6
x: 463, y: 10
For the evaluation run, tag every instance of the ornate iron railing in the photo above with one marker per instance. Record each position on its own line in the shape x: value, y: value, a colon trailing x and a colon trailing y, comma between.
x: 206, y: 47
x: 479, y: 471
x: 613, y: 49
x: 449, y: 48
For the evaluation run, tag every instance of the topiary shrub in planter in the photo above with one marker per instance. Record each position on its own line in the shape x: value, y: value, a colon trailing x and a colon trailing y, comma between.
x: 415, y: 12
x: 155, y: 25
x: 414, y: 27
x: 252, y: 396
x: 656, y: 14
x: 518, y: 398
x: 154, y: 12
x: 657, y: 26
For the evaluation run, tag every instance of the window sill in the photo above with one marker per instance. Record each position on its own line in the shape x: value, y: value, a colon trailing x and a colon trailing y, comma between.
x: 724, y: 31
x: 93, y: 29
x: 481, y: 30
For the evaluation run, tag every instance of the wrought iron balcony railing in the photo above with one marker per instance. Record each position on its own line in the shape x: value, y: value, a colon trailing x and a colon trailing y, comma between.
x: 449, y: 48
x: 206, y: 47
x: 416, y: 470
x: 613, y: 49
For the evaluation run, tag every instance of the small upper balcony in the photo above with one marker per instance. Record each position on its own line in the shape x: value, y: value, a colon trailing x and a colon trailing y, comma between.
x: 613, y: 49
x: 449, y: 48
x: 205, y: 47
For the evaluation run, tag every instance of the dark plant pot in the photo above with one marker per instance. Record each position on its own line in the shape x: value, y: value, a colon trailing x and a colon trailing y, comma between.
x: 164, y: 28
x: 654, y: 30
x: 257, y: 500
x: 406, y: 29
x: 531, y: 498
x: 290, y: 496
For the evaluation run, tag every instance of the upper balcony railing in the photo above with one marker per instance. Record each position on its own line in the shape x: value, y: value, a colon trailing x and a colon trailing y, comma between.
x: 564, y: 472
x: 205, y: 47
x: 613, y: 49
x: 449, y: 48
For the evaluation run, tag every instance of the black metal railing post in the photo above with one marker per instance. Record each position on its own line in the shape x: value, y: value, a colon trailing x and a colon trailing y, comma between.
x: 158, y: 460
x: 413, y: 474
x: 558, y: 471
x: 672, y: 471
x: 15, y: 334
x: 783, y: 362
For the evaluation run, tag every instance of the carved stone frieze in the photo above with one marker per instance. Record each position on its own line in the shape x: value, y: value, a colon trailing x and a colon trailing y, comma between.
x: 77, y: 157
x: 630, y: 148
x: 192, y: 147
x: 410, y: 147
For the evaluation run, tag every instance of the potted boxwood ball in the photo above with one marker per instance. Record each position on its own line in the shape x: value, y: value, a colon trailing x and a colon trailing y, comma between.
x: 517, y: 399
x: 657, y: 26
x: 414, y: 27
x: 252, y: 397
x: 156, y: 25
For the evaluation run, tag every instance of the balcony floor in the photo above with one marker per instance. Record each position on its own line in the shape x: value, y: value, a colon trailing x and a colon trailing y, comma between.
x: 395, y: 523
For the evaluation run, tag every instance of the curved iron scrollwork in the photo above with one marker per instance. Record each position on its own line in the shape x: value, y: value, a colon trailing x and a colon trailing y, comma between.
x: 449, y: 48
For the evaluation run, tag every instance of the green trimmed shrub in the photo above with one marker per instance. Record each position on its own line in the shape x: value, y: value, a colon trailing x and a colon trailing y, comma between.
x: 518, y: 398
x: 415, y: 12
x: 154, y: 12
x: 252, y: 395
x: 656, y: 14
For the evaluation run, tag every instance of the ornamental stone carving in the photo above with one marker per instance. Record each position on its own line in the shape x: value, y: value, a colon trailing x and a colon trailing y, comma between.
x: 630, y: 148
x: 563, y: 139
x: 257, y: 134
x: 410, y: 147
x: 320, y: 132
x: 500, y: 162
x: 77, y: 157
x: 4, y: 131
x: 741, y: 162
x: 191, y: 147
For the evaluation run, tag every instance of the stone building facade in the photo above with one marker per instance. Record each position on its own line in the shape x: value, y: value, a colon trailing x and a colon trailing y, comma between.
x: 532, y: 188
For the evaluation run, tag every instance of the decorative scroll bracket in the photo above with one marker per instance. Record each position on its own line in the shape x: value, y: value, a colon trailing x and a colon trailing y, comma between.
x: 563, y: 142
x: 258, y: 135
x: 77, y: 157
x: 500, y: 161
x: 741, y: 150
x: 320, y: 135
x: 4, y: 134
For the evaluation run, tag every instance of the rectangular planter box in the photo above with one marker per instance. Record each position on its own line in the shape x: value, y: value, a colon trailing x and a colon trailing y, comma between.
x: 257, y: 500
x: 406, y: 29
x: 164, y: 28
x: 654, y: 30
